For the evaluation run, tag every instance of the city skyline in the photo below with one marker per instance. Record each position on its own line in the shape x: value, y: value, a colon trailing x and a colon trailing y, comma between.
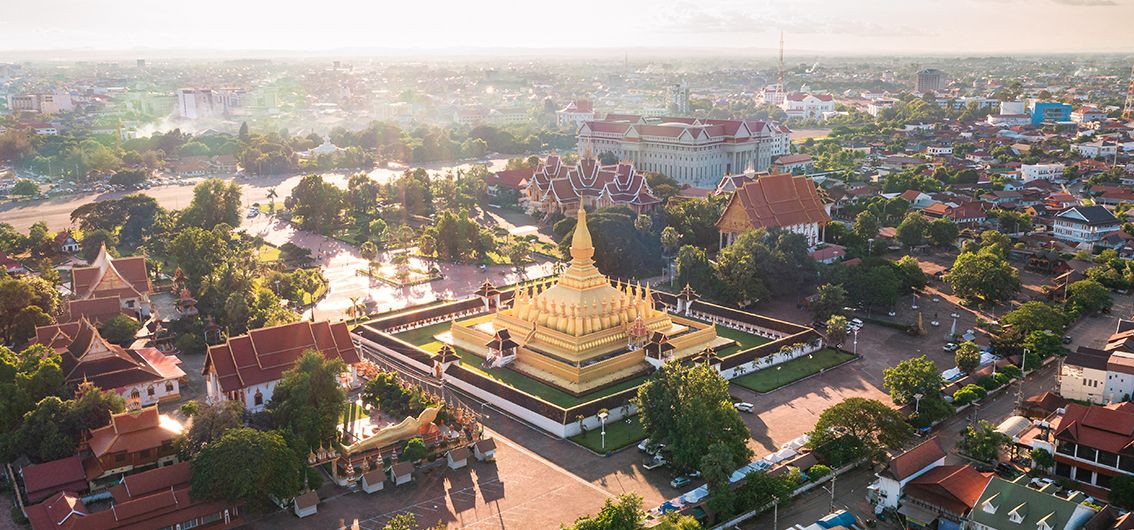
x: 813, y: 26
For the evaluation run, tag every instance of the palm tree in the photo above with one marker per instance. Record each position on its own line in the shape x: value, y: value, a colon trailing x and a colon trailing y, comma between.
x: 357, y: 309
x: 272, y: 201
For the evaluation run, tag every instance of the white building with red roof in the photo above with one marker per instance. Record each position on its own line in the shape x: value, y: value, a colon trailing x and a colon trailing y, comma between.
x: 559, y: 187
x: 575, y: 113
x: 144, y: 376
x: 692, y: 151
x: 246, y: 368
x: 124, y: 278
x: 807, y: 105
x: 780, y: 200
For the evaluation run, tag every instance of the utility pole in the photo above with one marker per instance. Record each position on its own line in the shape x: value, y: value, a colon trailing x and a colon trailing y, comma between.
x: 834, y: 477
x: 1020, y: 386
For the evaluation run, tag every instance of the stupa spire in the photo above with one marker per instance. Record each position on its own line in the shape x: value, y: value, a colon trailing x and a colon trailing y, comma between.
x: 581, y: 246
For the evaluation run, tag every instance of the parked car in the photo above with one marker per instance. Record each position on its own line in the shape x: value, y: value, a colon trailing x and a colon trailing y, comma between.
x: 950, y: 346
x: 658, y: 461
x: 644, y: 445
x: 1067, y: 339
x: 744, y: 406
x: 681, y: 482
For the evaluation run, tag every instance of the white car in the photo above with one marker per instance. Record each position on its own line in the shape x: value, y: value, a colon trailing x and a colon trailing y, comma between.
x: 950, y: 346
x: 744, y: 406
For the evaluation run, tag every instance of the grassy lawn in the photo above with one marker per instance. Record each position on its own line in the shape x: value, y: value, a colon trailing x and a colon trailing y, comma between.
x: 359, y: 413
x: 619, y: 434
x: 268, y: 253
x: 772, y: 378
x: 423, y: 338
x: 743, y: 340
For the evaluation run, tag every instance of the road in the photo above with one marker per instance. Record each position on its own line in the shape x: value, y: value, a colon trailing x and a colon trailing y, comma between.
x: 56, y: 211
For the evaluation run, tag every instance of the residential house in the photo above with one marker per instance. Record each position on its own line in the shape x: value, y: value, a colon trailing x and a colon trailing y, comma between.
x: 1013, y: 505
x: 942, y: 497
x: 246, y: 368
x: 917, y: 199
x: 66, y: 242
x: 1095, y: 149
x: 780, y: 200
x: 1048, y: 172
x: 135, y: 439
x: 508, y: 179
x: 1087, y: 114
x: 556, y: 187
x: 795, y: 164
x: 1083, y: 375
x: 807, y: 105
x: 158, y: 498
x: 1112, y: 195
x: 887, y: 490
x: 1084, y: 224
x: 143, y: 376
x: 11, y: 266
x: 1094, y: 444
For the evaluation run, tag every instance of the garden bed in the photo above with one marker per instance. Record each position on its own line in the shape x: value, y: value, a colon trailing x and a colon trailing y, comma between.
x: 784, y: 374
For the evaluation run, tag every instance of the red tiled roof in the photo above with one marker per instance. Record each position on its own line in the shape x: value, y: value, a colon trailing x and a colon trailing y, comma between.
x: 953, y: 488
x: 778, y: 200
x: 265, y: 354
x: 132, y: 432
x: 97, y: 310
x: 108, y: 277
x: 510, y: 178
x: 42, y: 480
x: 914, y: 460
x: 1110, y: 428
x: 86, y: 356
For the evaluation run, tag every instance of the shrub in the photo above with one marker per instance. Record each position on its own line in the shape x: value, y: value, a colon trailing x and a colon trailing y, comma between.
x: 988, y: 382
x: 1001, y: 379
x: 818, y: 471
x: 1010, y: 370
x: 964, y: 396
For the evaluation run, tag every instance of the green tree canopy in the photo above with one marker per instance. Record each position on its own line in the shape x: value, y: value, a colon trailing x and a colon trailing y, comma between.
x: 984, y: 276
x: 624, y: 513
x: 210, y: 422
x: 120, y: 330
x: 309, y: 399
x: 912, y: 376
x: 317, y: 203
x: 249, y: 466
x: 25, y: 303
x: 1087, y: 297
x: 214, y: 202
x: 982, y: 441
x: 967, y: 357
x: 870, y: 421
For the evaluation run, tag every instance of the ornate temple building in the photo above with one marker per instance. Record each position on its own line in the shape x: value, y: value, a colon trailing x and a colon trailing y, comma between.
x: 555, y: 186
x: 123, y: 279
x: 582, y: 332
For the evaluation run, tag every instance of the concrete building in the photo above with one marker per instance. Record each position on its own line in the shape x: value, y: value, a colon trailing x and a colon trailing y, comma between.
x: 930, y: 80
x: 887, y: 490
x: 692, y: 151
x: 1093, y: 443
x: 194, y: 103
x: 1049, y: 112
x: 677, y: 98
x: 1082, y: 375
x: 874, y: 108
x: 1095, y: 149
x: 1087, y: 114
x: 1085, y: 224
x: 807, y: 105
x: 1048, y: 172
x: 575, y: 113
x: 42, y: 103
x: 1012, y: 114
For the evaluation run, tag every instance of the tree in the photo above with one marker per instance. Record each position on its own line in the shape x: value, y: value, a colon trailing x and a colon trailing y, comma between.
x: 982, y: 441
x: 869, y: 421
x: 912, y: 230
x: 1087, y: 297
x: 967, y: 357
x: 44, y: 436
x: 670, y: 239
x: 912, y: 376
x: 674, y: 521
x: 837, y: 329
x: 829, y: 300
x: 318, y: 203
x: 25, y: 303
x: 695, y: 269
x: 866, y: 225
x: 689, y: 409
x: 1122, y: 491
x: 643, y: 223
x: 120, y: 330
x: 93, y: 241
x: 248, y: 466
x: 25, y: 188
x: 214, y: 202
x: 942, y: 232
x: 984, y: 277
x: 1042, y: 458
x: 92, y: 408
x: 210, y: 422
x: 309, y: 399
x: 414, y: 450
x: 1034, y: 316
x: 625, y: 513
x: 369, y: 251
x: 128, y: 177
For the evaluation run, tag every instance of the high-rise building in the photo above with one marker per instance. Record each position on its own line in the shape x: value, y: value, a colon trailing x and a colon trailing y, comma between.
x: 678, y: 96
x: 930, y: 80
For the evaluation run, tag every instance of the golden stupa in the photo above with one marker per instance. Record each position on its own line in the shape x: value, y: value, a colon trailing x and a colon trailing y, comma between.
x: 581, y: 332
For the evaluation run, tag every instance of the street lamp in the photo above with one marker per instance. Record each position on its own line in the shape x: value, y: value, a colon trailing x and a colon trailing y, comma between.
x: 856, y: 341
x: 602, y: 415
x: 917, y: 402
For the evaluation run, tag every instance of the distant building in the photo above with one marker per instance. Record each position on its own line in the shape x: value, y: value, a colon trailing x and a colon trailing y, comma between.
x: 124, y: 278
x: 1085, y: 224
x: 1095, y: 149
x: 1087, y: 114
x: 795, y: 164
x: 781, y: 200
x: 575, y: 113
x: 41, y: 103
x: 887, y: 491
x: 677, y: 95
x: 806, y: 105
x: 930, y: 80
x: 874, y: 108
x: 246, y: 368
x: 1049, y: 112
x: 692, y: 151
x: 772, y: 94
x: 556, y: 187
x: 1048, y: 172
x: 194, y: 103
x: 1012, y: 114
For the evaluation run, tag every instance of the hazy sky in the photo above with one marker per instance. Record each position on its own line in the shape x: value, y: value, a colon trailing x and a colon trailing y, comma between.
x: 842, y: 26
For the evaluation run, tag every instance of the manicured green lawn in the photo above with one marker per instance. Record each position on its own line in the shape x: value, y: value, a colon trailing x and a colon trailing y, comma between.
x: 423, y: 338
x: 743, y: 340
x: 776, y: 376
x: 619, y: 434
